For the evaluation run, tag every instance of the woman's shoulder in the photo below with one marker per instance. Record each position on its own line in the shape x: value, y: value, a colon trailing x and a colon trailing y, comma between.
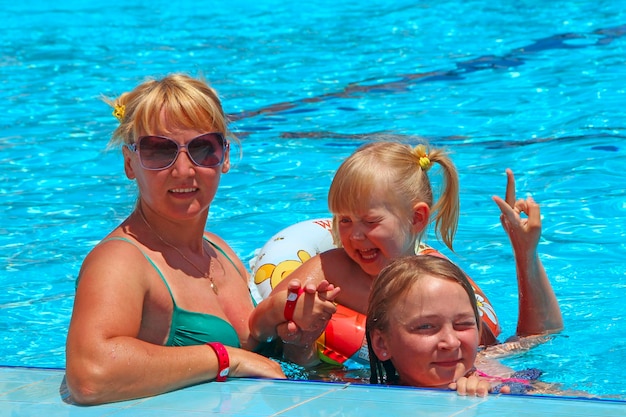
x: 114, y: 258
x: 117, y: 244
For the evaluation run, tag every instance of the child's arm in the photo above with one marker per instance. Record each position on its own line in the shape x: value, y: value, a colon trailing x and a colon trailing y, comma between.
x: 298, y: 346
x: 539, y: 311
x: 302, y: 309
x: 299, y: 339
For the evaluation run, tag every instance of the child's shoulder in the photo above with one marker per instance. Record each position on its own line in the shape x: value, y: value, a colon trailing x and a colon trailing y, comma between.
x: 338, y: 258
x: 336, y: 262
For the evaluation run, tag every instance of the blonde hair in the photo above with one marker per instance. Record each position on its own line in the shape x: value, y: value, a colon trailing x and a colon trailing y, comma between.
x: 186, y: 102
x: 402, y: 172
x: 395, y: 281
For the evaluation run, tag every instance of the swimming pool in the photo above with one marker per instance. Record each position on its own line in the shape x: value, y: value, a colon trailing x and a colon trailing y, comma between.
x: 536, y: 87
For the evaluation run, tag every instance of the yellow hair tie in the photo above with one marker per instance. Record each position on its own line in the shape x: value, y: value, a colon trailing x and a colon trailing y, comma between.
x: 424, y: 161
x: 118, y: 111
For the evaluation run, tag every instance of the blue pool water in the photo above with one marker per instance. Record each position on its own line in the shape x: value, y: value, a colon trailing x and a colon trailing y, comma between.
x: 534, y: 86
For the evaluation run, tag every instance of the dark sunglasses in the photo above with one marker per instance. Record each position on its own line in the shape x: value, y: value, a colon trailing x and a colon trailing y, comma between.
x: 160, y: 152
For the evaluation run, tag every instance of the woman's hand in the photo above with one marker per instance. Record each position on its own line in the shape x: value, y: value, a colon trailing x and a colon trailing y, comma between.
x: 244, y: 363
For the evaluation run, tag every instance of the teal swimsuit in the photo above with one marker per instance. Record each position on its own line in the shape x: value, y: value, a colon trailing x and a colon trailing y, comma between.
x: 190, y: 327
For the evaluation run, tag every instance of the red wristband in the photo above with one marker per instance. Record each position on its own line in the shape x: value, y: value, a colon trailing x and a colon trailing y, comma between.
x: 222, y: 361
x: 290, y: 305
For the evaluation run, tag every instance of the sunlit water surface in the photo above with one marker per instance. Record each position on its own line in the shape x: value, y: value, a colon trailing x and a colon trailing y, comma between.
x: 535, y: 86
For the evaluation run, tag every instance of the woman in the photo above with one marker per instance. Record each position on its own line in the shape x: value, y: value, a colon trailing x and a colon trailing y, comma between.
x: 161, y: 303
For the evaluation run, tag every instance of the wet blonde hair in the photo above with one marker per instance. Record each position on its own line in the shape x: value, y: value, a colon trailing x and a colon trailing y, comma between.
x: 394, y: 282
x: 188, y: 103
x: 397, y: 168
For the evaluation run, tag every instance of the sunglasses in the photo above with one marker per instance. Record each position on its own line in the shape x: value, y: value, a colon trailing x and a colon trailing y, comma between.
x: 160, y: 152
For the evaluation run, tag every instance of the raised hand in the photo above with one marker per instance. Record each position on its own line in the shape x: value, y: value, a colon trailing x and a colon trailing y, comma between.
x: 524, y: 232
x: 539, y: 311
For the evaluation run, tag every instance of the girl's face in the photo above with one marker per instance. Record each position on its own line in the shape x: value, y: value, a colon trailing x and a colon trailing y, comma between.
x: 184, y: 189
x: 432, y: 337
x: 374, y: 237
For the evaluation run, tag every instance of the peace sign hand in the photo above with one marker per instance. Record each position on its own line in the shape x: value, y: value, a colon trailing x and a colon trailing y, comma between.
x: 524, y: 232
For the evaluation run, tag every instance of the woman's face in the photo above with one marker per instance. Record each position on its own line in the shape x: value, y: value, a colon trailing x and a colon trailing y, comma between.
x: 376, y: 236
x: 184, y: 189
x: 432, y: 338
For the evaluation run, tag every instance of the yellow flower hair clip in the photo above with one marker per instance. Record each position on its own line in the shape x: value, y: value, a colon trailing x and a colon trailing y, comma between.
x: 118, y: 111
x: 424, y: 161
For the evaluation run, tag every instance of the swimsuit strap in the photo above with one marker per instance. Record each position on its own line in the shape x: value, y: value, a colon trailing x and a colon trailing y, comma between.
x: 222, y: 252
x: 124, y: 239
x: 519, y: 383
x: 233, y: 264
x: 190, y: 327
x: 501, y: 379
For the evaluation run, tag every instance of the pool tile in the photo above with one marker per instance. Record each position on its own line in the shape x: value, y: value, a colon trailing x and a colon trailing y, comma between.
x: 25, y: 392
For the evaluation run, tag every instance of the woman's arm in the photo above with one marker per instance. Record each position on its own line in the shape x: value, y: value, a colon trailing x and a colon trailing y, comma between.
x: 106, y: 359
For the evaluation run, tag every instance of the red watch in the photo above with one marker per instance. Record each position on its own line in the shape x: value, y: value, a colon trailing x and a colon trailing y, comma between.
x: 222, y: 360
x: 290, y: 305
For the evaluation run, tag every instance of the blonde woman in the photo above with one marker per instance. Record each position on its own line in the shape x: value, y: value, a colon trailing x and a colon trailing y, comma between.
x: 161, y: 303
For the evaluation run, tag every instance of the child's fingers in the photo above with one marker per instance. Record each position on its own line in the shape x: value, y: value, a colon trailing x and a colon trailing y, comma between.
x: 460, y: 386
x: 288, y: 332
x: 505, y: 389
x: 534, y: 213
x: 332, y: 293
x: 294, y: 285
x: 507, y: 210
x: 510, y: 188
x: 471, y: 386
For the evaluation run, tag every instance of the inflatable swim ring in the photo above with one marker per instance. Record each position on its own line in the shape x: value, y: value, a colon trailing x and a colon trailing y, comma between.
x: 343, y: 342
x: 287, y: 250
